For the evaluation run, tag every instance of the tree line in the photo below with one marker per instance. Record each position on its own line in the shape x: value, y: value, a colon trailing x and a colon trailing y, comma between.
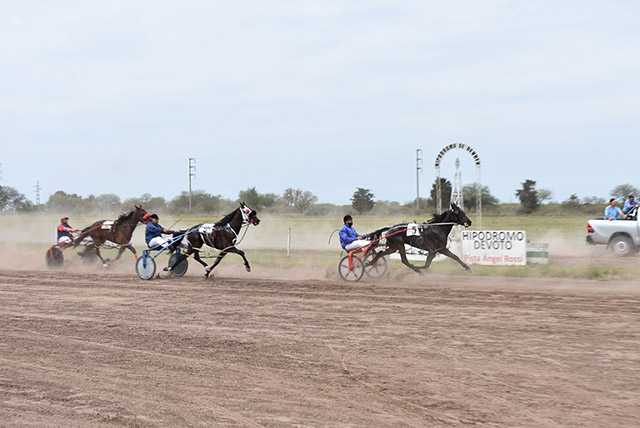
x: 297, y: 201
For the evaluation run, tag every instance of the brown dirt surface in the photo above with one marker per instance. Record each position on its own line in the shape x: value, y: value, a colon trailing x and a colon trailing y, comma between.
x: 106, y: 349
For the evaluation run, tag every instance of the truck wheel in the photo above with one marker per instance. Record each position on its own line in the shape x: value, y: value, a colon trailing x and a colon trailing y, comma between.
x: 622, y: 246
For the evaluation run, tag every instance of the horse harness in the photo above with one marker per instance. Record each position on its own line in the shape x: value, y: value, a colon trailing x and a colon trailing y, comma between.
x: 208, y: 231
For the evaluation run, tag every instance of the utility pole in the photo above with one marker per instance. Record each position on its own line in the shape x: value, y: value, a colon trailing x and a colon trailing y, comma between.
x: 192, y: 173
x: 418, y: 168
x: 36, y: 189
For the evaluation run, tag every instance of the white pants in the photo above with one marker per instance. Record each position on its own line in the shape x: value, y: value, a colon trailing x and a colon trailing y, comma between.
x: 65, y: 240
x: 159, y: 240
x: 358, y: 243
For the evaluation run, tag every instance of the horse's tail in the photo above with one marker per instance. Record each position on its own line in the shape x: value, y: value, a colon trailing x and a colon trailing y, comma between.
x: 377, y: 234
x: 85, y: 232
x: 180, y: 234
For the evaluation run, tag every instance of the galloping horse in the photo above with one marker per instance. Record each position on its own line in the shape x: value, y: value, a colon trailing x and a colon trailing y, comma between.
x: 118, y: 231
x: 430, y: 236
x: 221, y: 236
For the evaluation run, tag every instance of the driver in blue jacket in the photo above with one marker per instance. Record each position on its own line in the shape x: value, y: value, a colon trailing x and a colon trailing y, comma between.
x: 349, y: 238
x: 153, y: 233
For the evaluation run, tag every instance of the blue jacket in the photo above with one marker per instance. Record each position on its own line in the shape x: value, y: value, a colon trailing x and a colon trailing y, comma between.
x: 152, y: 231
x: 348, y: 235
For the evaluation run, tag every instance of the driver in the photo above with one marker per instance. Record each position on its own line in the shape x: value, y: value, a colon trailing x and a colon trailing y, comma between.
x: 153, y: 233
x: 64, y: 232
x: 349, y: 238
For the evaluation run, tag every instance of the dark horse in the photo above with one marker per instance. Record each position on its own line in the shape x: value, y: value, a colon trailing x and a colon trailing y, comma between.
x: 119, y: 232
x: 221, y: 235
x: 430, y: 236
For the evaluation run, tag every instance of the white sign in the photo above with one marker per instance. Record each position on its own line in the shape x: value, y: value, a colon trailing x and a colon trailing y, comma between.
x: 494, y: 247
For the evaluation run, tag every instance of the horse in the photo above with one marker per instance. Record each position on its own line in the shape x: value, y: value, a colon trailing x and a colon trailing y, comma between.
x: 118, y: 231
x: 430, y: 236
x: 221, y: 236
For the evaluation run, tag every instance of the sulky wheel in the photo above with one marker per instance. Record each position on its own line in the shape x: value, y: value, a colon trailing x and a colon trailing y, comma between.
x: 181, y: 268
x: 145, y: 267
x: 351, y: 273
x: 377, y: 270
x: 54, y: 257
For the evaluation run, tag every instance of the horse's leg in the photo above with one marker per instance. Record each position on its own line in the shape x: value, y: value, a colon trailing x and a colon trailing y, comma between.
x: 133, y: 250
x: 105, y: 263
x: 405, y: 261
x: 430, y: 256
x: 120, y: 251
x: 241, y: 254
x: 196, y: 256
x: 180, y: 258
x: 218, y: 260
x: 449, y: 254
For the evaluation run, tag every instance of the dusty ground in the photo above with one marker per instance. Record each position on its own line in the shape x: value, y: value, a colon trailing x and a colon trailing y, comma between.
x: 106, y: 349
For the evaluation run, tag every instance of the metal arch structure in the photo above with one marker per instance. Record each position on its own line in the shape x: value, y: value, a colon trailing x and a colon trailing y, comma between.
x: 476, y: 160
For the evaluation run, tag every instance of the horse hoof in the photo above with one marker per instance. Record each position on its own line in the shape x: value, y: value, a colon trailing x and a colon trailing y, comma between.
x: 420, y: 273
x: 105, y: 265
x: 248, y: 269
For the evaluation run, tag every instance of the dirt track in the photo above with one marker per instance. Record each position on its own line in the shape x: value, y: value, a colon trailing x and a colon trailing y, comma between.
x: 108, y: 350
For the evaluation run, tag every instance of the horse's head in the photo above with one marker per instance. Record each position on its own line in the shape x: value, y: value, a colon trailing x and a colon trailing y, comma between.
x: 249, y: 215
x: 458, y: 216
x: 139, y: 214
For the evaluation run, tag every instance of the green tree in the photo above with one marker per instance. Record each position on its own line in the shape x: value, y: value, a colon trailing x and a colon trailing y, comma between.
x: 470, y: 196
x: 107, y: 203
x: 252, y: 198
x: 362, y: 200
x: 528, y: 196
x: 445, y: 188
x: 152, y: 204
x: 300, y: 199
x: 544, y: 195
x: 61, y: 202
x: 622, y: 192
x: 572, y: 202
x: 13, y: 201
x: 201, y: 202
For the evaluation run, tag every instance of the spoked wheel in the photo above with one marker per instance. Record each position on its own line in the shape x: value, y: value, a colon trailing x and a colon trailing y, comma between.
x: 54, y: 257
x: 377, y: 270
x: 181, y: 268
x: 145, y: 267
x: 351, y: 273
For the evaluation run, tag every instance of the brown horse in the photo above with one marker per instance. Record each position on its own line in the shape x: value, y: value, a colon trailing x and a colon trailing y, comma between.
x: 118, y: 232
x: 221, y: 236
x: 431, y: 236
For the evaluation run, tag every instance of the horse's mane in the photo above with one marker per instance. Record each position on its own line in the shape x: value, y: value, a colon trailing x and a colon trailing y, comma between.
x: 438, y: 218
x: 124, y: 217
x: 226, y: 219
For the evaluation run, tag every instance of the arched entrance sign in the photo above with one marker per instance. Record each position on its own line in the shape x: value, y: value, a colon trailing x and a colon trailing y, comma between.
x: 476, y: 160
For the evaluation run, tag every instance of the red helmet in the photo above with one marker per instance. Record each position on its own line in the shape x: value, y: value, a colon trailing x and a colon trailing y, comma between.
x: 64, y: 218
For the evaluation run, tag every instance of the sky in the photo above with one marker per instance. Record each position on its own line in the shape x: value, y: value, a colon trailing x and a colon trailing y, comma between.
x: 326, y: 96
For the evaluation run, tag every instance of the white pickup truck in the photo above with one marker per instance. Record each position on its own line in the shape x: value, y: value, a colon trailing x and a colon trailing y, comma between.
x: 620, y: 236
